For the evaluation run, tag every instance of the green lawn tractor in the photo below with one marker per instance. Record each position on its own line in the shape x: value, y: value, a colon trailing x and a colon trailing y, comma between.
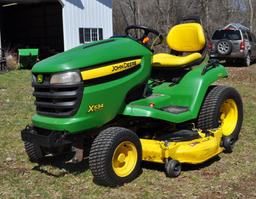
x: 124, y: 104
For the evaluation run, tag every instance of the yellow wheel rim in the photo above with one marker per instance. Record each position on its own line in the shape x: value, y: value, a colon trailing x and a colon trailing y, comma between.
x: 228, y: 116
x: 124, y: 159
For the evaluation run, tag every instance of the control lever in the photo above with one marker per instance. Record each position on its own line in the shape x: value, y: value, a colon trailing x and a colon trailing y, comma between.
x: 213, y: 63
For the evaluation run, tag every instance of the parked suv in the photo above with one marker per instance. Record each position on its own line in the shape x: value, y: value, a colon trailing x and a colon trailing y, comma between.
x: 234, y: 42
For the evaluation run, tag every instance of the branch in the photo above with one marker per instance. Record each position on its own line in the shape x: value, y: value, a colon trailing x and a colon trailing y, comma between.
x: 124, y: 15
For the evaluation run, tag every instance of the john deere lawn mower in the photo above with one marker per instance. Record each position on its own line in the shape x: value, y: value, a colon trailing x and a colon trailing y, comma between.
x: 125, y: 104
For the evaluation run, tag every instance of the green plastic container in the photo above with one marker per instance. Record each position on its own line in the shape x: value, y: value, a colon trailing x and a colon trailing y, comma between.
x: 27, y: 57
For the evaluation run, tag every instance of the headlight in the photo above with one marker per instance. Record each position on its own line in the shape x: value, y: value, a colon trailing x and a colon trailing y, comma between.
x: 66, y: 78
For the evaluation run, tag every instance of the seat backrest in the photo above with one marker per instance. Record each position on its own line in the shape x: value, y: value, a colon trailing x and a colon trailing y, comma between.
x: 188, y: 37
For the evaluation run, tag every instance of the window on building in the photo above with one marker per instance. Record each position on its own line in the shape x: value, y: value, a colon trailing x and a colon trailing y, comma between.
x: 90, y: 34
x: 100, y: 34
x: 87, y: 35
x: 94, y: 34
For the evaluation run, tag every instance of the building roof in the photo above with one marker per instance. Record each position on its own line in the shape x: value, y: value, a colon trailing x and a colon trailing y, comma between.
x: 78, y: 3
x: 26, y: 1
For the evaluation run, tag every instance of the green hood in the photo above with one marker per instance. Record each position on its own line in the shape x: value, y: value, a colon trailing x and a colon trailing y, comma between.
x: 91, y: 54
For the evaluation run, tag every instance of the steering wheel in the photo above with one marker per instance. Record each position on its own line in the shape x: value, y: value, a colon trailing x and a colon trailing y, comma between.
x: 144, y: 39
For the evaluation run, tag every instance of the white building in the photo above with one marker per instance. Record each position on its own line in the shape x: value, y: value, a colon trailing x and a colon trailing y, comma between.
x: 53, y: 25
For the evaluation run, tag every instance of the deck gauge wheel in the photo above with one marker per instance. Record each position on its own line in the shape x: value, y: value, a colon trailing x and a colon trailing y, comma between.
x: 228, y: 143
x: 172, y: 168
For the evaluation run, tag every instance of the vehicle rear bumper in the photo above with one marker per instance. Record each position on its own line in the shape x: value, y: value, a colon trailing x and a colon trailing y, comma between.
x: 233, y: 55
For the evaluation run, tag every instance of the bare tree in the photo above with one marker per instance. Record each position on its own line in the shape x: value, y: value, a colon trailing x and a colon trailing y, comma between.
x: 163, y: 14
x: 252, y: 13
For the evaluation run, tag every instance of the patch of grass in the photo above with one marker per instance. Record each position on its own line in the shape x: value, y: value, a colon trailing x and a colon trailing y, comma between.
x: 229, y: 176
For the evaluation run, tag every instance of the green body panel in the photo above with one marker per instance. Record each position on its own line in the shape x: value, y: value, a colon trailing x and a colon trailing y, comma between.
x: 110, y: 94
x: 189, y: 92
x: 90, y: 55
x: 28, y: 52
x: 27, y: 57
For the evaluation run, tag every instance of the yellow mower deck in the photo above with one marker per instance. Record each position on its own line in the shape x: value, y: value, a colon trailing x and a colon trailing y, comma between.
x: 193, y: 152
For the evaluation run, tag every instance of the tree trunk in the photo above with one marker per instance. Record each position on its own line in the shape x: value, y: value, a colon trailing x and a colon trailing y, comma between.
x: 252, y: 13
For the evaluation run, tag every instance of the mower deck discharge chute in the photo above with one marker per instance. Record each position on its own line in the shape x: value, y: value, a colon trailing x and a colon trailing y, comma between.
x: 127, y: 105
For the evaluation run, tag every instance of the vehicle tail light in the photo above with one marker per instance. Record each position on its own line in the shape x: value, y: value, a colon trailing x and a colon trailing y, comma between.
x: 210, y: 45
x: 242, y: 45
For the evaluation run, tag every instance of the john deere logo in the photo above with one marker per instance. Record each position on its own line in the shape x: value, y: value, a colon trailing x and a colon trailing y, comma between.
x: 40, y: 79
x: 124, y: 66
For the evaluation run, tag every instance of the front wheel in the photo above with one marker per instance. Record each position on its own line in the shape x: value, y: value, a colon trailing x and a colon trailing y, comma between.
x: 115, y: 157
x: 222, y: 108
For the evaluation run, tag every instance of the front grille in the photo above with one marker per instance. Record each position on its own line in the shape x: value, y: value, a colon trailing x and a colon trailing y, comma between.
x: 57, y: 100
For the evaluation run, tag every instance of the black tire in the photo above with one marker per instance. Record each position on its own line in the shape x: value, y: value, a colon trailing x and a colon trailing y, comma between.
x: 228, y: 143
x: 247, y: 60
x: 210, y: 113
x: 34, y: 152
x: 224, y: 47
x: 172, y: 168
x: 103, y: 152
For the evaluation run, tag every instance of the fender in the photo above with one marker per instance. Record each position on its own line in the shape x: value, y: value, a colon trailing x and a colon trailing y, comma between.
x: 189, y: 93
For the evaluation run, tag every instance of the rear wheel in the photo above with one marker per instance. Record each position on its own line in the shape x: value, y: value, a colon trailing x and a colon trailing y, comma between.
x: 115, y: 156
x: 247, y: 60
x: 222, y: 108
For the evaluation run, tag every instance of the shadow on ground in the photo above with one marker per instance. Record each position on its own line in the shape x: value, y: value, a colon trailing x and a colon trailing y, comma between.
x: 61, y: 162
x: 185, y: 167
x: 236, y: 64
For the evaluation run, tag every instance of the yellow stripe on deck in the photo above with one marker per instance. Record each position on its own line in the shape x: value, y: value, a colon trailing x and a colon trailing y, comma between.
x: 110, y: 69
